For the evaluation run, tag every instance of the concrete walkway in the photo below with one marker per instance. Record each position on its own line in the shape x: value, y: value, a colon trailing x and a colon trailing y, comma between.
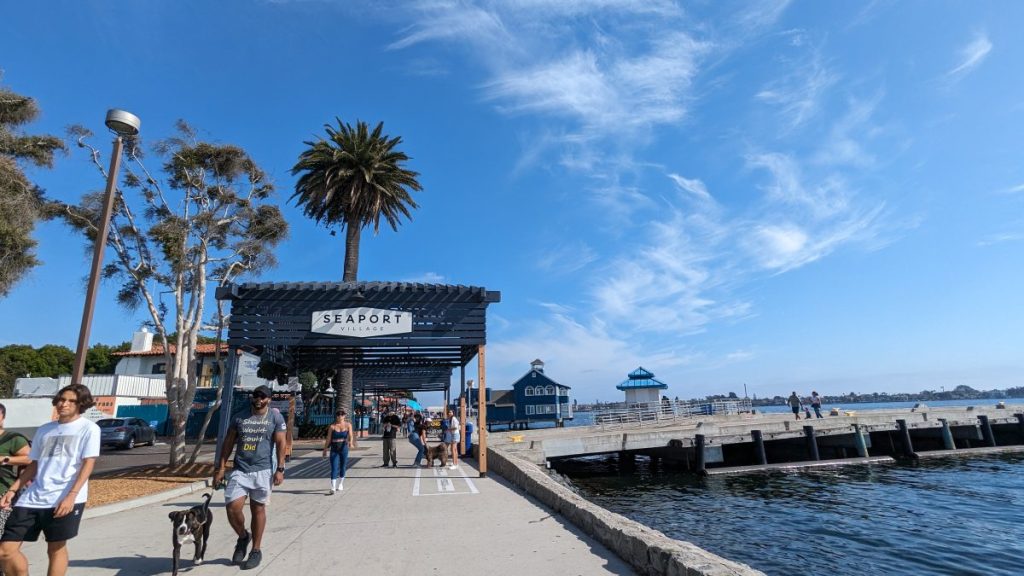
x: 386, y: 521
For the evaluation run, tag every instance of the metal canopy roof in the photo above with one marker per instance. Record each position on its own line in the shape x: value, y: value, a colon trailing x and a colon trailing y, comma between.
x: 373, y: 379
x: 274, y: 320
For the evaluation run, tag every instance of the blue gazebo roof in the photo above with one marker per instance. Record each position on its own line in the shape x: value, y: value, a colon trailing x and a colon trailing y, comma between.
x: 641, y: 378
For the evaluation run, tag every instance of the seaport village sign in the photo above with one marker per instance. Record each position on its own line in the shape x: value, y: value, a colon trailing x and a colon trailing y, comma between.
x: 397, y: 336
x: 361, y: 322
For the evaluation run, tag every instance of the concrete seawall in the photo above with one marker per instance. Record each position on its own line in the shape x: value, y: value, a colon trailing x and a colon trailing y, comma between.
x: 647, y: 550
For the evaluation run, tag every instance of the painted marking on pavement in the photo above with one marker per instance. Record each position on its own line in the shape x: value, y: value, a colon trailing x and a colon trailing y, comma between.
x: 445, y: 483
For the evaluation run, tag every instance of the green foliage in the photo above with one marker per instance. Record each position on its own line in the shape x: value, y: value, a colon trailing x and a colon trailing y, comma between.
x: 21, y: 201
x: 100, y: 359
x: 52, y: 361
x: 352, y: 179
x: 205, y: 223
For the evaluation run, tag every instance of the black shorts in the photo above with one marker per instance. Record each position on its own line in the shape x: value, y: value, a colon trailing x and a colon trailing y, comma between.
x: 25, y: 524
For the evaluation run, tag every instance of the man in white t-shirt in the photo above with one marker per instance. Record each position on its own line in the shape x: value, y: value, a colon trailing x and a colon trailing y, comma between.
x: 63, y: 455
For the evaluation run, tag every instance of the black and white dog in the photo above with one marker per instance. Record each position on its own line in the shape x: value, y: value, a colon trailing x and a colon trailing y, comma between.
x: 192, y: 524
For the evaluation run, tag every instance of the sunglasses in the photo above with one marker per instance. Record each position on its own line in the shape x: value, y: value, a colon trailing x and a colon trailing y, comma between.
x: 259, y: 396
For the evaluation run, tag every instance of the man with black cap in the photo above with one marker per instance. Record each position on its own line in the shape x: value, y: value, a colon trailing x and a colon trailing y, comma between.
x: 256, y: 438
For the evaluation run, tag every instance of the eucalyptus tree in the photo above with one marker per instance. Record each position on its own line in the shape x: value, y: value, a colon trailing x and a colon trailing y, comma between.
x: 21, y: 201
x: 205, y: 222
x: 352, y: 179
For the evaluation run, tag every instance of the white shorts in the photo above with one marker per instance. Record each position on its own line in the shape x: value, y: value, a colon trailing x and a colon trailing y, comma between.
x: 256, y: 485
x: 455, y: 438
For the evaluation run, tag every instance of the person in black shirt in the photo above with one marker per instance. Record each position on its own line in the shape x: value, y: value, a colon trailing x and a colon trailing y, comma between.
x: 391, y: 423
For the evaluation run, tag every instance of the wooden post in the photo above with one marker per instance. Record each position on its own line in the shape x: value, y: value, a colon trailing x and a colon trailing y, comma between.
x: 859, y: 443
x: 762, y: 457
x: 947, y: 435
x: 698, y: 449
x: 291, y: 427
x: 462, y: 426
x: 1020, y: 425
x: 908, y: 446
x: 812, y: 443
x: 986, y: 430
x: 481, y: 371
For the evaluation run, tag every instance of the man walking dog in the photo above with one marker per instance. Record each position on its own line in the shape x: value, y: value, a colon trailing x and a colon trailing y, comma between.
x: 256, y: 438
x: 62, y: 457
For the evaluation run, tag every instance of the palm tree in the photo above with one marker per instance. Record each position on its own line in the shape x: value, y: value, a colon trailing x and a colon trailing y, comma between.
x: 352, y: 179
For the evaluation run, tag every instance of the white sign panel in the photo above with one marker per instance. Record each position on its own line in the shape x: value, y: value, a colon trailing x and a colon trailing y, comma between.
x: 362, y: 322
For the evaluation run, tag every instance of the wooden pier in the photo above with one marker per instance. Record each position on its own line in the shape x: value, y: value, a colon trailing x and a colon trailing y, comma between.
x: 748, y: 442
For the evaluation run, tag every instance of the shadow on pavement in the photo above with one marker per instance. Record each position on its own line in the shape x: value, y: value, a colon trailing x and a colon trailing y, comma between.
x: 142, y: 565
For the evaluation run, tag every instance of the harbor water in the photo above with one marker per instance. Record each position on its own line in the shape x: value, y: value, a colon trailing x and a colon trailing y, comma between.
x: 962, y: 515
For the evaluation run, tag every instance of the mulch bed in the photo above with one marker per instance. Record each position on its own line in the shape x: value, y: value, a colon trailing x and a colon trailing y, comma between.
x: 136, y: 482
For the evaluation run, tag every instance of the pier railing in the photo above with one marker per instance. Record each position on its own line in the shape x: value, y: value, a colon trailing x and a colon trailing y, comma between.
x: 652, y: 413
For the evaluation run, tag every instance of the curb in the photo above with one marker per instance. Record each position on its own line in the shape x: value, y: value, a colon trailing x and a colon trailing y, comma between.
x: 145, y: 500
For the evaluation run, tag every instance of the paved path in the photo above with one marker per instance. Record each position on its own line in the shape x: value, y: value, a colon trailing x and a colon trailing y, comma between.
x: 386, y: 521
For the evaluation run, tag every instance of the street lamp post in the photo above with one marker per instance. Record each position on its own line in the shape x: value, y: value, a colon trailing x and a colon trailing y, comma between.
x: 121, y: 123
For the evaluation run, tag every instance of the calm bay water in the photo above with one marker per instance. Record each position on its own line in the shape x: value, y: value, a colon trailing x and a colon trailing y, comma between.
x: 953, y: 516
x: 960, y: 516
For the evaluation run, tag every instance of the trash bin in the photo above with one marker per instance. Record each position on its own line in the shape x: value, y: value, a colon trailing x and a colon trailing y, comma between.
x: 469, y: 440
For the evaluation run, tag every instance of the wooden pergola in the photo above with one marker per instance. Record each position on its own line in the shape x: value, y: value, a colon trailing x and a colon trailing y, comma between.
x: 394, y: 335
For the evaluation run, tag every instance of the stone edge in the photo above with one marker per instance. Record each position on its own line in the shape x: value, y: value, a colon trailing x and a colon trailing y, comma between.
x: 145, y: 500
x: 648, y: 551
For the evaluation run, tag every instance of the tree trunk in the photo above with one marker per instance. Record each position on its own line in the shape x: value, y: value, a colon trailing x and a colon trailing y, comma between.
x: 343, y: 379
x: 353, y: 229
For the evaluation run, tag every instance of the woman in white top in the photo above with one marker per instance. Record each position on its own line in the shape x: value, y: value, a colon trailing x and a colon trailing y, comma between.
x: 453, y: 429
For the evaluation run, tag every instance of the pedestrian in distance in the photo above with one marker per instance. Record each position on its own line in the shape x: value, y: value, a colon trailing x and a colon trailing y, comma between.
x: 390, y: 423
x: 14, y: 450
x: 453, y: 438
x: 257, y: 438
x: 336, y: 443
x: 794, y: 404
x: 56, y: 478
x: 816, y: 404
x: 417, y: 437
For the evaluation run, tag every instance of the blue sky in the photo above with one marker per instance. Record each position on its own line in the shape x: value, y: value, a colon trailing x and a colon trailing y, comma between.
x: 782, y: 195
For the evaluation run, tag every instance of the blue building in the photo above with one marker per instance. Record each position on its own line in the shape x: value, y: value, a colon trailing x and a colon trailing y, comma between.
x: 641, y: 387
x: 533, y: 398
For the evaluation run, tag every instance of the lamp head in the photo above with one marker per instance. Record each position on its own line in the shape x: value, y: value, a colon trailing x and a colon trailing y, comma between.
x: 123, y: 123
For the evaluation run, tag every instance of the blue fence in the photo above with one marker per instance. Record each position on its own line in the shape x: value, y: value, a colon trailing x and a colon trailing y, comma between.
x: 150, y: 413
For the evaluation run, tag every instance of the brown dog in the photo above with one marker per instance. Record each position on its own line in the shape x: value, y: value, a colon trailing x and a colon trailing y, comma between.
x: 439, y: 452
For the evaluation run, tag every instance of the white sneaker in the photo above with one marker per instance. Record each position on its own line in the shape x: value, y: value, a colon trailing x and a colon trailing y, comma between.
x: 452, y: 467
x: 330, y: 492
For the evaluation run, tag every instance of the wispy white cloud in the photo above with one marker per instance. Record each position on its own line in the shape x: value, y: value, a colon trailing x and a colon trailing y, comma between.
x: 760, y: 15
x: 426, y: 278
x: 591, y: 358
x: 567, y: 258
x: 970, y: 56
x: 1001, y: 238
x: 695, y: 187
x: 444, y: 20
x: 798, y: 95
x: 1012, y: 189
x: 847, y: 139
